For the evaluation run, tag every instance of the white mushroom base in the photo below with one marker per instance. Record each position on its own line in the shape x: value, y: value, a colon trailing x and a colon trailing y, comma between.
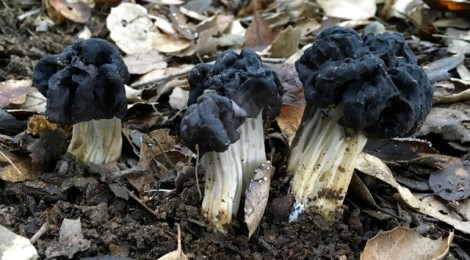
x: 228, y: 173
x: 322, y: 160
x: 96, y: 141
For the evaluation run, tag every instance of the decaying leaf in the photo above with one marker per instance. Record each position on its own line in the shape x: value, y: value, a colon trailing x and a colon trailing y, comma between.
x: 75, y: 11
x: 178, y: 254
x: 141, y: 63
x: 428, y: 205
x: 286, y: 43
x: 15, y: 168
x: 14, y: 92
x: 170, y: 44
x: 451, y: 183
x: 257, y: 194
x: 399, y: 149
x: 451, y: 124
x: 38, y: 123
x: 47, y: 150
x: 258, y: 35
x: 349, y: 9
x: 289, y: 120
x: 219, y: 30
x: 449, y: 5
x: 405, y: 243
x: 155, y: 143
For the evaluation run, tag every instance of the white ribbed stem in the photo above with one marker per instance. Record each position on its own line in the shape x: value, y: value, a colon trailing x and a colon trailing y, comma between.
x: 253, y: 152
x: 223, y: 186
x: 228, y: 173
x: 322, y: 161
x: 96, y: 141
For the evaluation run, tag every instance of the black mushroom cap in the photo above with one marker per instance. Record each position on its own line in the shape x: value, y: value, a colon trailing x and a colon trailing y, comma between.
x: 240, y: 77
x: 384, y: 92
x: 211, y: 123
x: 84, y: 82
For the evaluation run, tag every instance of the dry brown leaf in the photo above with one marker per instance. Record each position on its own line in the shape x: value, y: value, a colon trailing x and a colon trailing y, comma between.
x: 256, y: 196
x: 289, y: 120
x: 14, y: 92
x: 78, y: 12
x: 17, y: 168
x: 428, y: 205
x: 258, y: 35
x: 253, y: 6
x: 448, y: 5
x: 141, y: 63
x: 169, y: 44
x: 451, y: 124
x: 286, y: 43
x: 219, y: 30
x: 405, y: 243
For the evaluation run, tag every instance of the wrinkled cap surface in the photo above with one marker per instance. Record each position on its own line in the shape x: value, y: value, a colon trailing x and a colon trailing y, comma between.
x: 211, y: 123
x: 384, y: 92
x: 240, y: 77
x: 84, y: 82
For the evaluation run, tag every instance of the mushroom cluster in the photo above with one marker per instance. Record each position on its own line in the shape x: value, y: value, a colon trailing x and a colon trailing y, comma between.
x: 84, y: 86
x: 356, y: 88
x: 224, y: 121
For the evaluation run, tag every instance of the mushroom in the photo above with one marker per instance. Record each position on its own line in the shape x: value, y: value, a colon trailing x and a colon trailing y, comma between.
x: 355, y: 89
x: 84, y: 87
x: 230, y: 156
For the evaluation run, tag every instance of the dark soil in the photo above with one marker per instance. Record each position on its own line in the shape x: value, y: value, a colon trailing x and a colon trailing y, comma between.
x: 123, y: 227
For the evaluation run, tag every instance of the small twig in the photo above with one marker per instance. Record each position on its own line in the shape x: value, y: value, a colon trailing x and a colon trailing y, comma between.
x: 44, y: 228
x: 195, y: 171
x: 118, y: 174
x: 132, y: 195
x: 165, y: 154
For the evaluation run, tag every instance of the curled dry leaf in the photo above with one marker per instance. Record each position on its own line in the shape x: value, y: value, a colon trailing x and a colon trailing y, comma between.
x: 405, y: 243
x: 76, y: 11
x: 141, y: 63
x: 257, y: 194
x: 289, y: 120
x: 449, y: 5
x: 17, y: 168
x: 14, y: 92
x: 429, y: 205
